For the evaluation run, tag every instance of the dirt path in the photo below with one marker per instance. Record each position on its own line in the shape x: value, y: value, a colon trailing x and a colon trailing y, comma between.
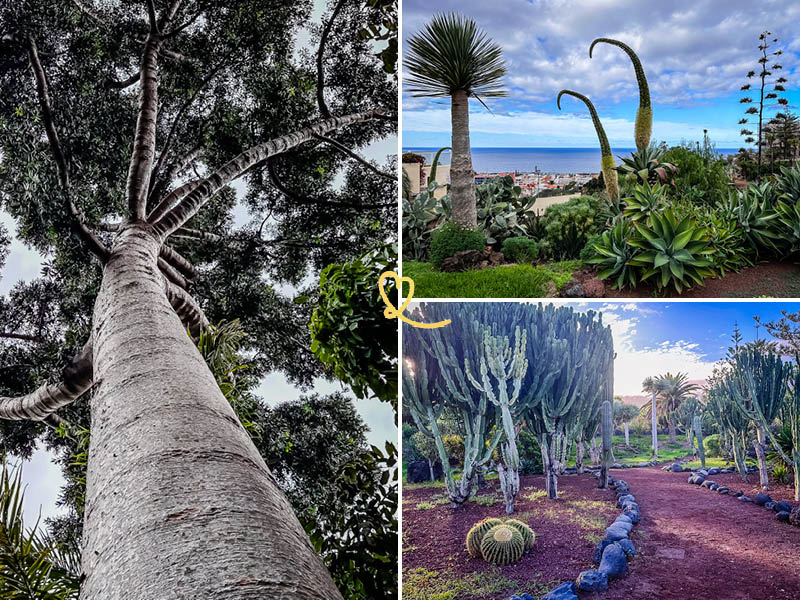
x: 696, y: 544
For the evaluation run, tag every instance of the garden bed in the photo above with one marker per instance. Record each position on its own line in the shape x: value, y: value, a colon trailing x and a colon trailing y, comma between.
x: 436, y: 563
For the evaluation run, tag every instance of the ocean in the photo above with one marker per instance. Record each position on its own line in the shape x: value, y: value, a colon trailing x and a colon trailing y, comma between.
x: 547, y: 160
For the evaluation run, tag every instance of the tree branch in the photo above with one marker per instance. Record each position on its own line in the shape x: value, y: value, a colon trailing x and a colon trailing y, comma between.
x: 176, y: 56
x: 181, y: 264
x: 182, y: 111
x: 195, y: 234
x: 172, y: 199
x: 42, y: 90
x: 89, y: 13
x: 172, y: 274
x: 144, y: 140
x: 40, y: 404
x: 151, y: 16
x: 113, y: 84
x: 20, y: 336
x: 189, y: 312
x: 342, y: 148
x: 189, y: 206
x: 276, y: 181
x: 180, y: 28
x: 323, y: 108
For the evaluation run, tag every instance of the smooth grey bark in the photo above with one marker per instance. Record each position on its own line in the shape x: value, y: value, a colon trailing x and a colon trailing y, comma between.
x: 462, y: 177
x: 627, y: 435
x: 179, y: 503
x: 654, y: 426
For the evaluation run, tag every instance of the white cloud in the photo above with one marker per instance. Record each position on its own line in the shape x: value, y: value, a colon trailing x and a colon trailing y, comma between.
x: 635, y: 361
x: 567, y: 129
x: 692, y: 50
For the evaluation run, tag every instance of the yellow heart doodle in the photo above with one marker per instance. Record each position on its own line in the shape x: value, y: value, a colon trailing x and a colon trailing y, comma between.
x: 397, y: 313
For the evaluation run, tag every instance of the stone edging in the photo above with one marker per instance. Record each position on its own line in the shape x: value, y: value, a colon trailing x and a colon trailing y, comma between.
x: 784, y: 511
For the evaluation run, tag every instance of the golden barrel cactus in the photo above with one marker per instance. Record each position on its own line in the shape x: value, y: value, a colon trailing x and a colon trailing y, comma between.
x: 475, y: 535
x: 528, y: 536
x: 502, y: 545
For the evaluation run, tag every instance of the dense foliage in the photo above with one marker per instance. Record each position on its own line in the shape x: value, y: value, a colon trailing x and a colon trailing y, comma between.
x: 451, y: 238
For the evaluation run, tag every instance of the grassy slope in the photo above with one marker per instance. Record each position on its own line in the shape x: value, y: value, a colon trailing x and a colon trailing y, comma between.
x: 518, y: 281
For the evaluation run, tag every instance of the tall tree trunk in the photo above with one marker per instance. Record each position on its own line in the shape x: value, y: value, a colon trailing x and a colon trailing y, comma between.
x: 739, y: 456
x: 761, y: 455
x: 627, y: 436
x: 594, y: 452
x: 579, y: 451
x: 654, y: 426
x: 673, y: 438
x: 462, y: 177
x: 430, y: 467
x: 179, y: 503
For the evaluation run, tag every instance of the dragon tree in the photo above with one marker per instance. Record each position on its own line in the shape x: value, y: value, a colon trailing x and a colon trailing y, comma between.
x: 123, y: 127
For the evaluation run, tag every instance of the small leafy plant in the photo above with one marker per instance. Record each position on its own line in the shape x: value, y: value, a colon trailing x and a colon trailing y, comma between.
x: 450, y: 238
x: 520, y: 250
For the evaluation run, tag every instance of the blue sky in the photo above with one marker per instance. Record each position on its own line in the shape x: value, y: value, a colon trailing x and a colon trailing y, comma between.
x: 651, y: 338
x: 695, y: 54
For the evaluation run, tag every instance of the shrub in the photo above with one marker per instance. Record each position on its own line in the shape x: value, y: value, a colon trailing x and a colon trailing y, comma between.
x: 589, y: 251
x: 475, y: 535
x: 410, y: 450
x: 702, y: 177
x: 711, y: 445
x: 520, y: 250
x: 502, y: 545
x: 530, y: 456
x: 780, y: 473
x: 450, y: 238
x: 413, y: 157
x: 453, y: 444
x: 569, y: 226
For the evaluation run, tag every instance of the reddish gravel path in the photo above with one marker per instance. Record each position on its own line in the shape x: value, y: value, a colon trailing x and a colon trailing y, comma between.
x: 696, y: 544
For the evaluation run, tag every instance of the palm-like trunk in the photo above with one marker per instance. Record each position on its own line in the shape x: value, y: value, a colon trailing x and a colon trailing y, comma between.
x: 179, y: 503
x: 673, y: 438
x: 654, y: 425
x: 462, y: 177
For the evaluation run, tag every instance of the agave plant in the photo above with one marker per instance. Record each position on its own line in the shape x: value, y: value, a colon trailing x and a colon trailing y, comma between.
x: 647, y: 164
x: 614, y: 253
x: 789, y: 219
x: 676, y: 252
x: 787, y: 184
x: 646, y: 200
x: 753, y: 211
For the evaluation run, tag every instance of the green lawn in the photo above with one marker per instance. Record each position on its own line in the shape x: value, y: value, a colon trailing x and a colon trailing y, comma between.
x: 518, y: 281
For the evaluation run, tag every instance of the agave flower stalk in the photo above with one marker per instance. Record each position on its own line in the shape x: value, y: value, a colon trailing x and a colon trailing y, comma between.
x: 644, y: 116
x: 608, y: 165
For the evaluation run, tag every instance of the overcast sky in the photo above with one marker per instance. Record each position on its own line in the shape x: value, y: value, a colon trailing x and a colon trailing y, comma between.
x: 43, y: 478
x: 696, y: 54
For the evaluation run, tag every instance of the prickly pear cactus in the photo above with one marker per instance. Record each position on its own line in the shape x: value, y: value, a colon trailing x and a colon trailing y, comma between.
x: 528, y: 536
x: 502, y: 545
x: 475, y: 535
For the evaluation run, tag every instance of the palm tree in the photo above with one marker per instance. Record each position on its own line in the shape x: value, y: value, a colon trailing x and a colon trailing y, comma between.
x: 649, y: 387
x: 451, y: 57
x: 671, y: 390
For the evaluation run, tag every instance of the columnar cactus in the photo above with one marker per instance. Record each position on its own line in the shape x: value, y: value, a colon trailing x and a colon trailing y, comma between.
x: 791, y: 415
x: 734, y: 423
x: 698, y: 434
x: 528, y: 536
x: 475, y: 535
x: 757, y: 384
x: 606, y: 427
x: 607, y: 163
x: 502, y: 545
x: 644, y: 116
